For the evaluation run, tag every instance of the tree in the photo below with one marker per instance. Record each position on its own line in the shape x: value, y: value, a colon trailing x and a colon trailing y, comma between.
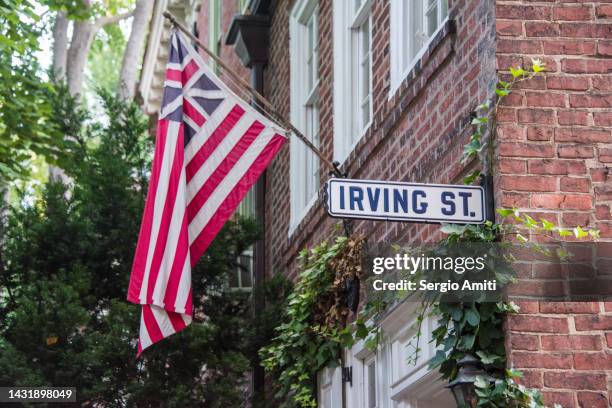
x: 64, y: 272
x: 86, y: 26
x: 129, y: 67
x: 24, y: 107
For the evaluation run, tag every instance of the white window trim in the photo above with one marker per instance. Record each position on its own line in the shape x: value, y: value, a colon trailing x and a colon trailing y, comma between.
x: 331, y: 379
x: 300, y: 14
x: 397, y: 47
x: 344, y: 85
x: 419, y: 382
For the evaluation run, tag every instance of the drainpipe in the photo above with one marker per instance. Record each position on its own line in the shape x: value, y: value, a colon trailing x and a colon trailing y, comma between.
x: 249, y: 35
x: 260, y: 246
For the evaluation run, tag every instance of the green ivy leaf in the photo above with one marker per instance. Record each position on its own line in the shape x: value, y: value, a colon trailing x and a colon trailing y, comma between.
x: 473, y: 317
x: 547, y: 225
x: 502, y: 92
x: 470, y: 178
x: 467, y: 342
x: 594, y: 233
x: 518, y: 72
x: 580, y: 233
x: 537, y: 65
x: 438, y: 359
x: 453, y: 229
x: 481, y: 382
x: 505, y: 212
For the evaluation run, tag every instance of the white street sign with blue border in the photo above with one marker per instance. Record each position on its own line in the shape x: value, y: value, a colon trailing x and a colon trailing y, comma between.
x: 396, y: 201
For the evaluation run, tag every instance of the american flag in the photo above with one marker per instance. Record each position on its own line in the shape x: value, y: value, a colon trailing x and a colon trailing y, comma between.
x: 210, y: 148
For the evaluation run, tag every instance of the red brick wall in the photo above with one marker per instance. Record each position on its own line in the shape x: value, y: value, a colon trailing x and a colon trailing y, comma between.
x: 227, y: 54
x: 554, y: 151
x: 417, y: 134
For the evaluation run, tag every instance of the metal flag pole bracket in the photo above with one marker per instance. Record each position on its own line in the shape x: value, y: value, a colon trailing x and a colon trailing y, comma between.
x: 486, y: 182
x: 260, y: 99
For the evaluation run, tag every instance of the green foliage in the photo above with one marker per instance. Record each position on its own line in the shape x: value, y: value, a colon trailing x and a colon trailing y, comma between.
x: 24, y: 97
x: 506, y: 392
x: 485, y: 119
x: 476, y: 329
x: 105, y: 58
x: 65, y: 261
x: 304, y: 344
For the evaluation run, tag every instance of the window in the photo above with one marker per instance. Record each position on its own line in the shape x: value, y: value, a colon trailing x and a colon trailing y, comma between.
x: 246, y: 208
x: 304, y: 52
x: 352, y: 74
x: 242, y: 6
x: 242, y: 279
x: 392, y: 377
x: 214, y: 30
x: 329, y: 381
x: 413, y: 24
x: 370, y: 381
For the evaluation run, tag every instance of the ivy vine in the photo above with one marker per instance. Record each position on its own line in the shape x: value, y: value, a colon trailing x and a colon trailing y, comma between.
x: 316, y: 329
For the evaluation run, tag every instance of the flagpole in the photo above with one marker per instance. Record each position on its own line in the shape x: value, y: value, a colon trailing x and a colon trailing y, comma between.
x: 259, y: 97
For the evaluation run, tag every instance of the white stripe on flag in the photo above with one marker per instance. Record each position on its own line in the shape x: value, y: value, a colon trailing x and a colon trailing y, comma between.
x: 232, y: 178
x: 160, y: 200
x: 221, y: 153
x: 163, y: 321
x: 182, y: 293
x: 209, y: 127
x: 172, y: 242
x: 145, y: 339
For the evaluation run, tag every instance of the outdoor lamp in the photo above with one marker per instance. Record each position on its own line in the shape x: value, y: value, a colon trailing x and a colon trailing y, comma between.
x: 462, y: 386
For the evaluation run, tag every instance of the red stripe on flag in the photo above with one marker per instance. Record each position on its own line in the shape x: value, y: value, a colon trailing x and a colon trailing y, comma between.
x: 221, y: 171
x: 177, y: 321
x: 192, y: 112
x: 151, y: 324
x: 227, y: 208
x: 174, y: 75
x: 177, y: 267
x: 142, y: 248
x: 189, y: 304
x: 213, y: 141
x: 164, y: 228
x: 189, y: 70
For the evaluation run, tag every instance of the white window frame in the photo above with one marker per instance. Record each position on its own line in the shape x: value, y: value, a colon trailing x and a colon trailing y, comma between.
x: 400, y: 384
x: 215, y: 18
x: 241, y: 286
x: 329, y: 393
x: 349, y: 123
x: 367, y: 398
x: 304, y: 97
x: 400, y: 49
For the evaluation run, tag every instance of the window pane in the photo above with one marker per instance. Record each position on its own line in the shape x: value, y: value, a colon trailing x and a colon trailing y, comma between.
x: 365, y: 35
x: 365, y: 112
x: 357, y: 5
x: 246, y: 271
x: 416, y: 34
x: 315, y: 49
x: 444, y: 9
x: 371, y: 385
x: 432, y: 18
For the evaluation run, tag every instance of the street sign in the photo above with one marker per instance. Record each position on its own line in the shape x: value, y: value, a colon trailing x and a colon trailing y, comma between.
x: 395, y: 201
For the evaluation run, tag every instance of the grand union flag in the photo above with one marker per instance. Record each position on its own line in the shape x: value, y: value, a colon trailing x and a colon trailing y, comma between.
x: 210, y: 148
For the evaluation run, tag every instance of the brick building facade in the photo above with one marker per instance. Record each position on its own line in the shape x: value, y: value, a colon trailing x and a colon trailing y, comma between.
x: 553, y: 154
x: 554, y: 160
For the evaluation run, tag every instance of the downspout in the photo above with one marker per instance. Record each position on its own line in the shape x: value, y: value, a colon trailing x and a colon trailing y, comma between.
x: 249, y: 35
x: 260, y: 246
